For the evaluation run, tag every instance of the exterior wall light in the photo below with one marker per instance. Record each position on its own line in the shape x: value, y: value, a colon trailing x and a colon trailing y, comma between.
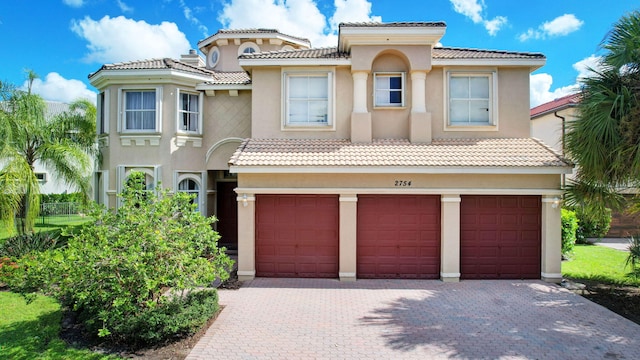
x: 245, y: 202
x: 555, y: 203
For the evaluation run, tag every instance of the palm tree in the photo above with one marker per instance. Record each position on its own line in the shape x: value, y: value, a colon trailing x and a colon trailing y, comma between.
x: 605, y: 138
x: 65, y: 144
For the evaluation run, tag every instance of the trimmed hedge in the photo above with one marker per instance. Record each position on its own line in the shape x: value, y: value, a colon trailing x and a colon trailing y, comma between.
x: 569, y: 228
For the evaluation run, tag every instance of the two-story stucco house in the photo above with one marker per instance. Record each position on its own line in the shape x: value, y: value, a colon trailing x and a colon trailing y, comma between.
x: 384, y: 157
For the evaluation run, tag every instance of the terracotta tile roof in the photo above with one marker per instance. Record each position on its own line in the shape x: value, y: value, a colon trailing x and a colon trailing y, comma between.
x: 513, y: 153
x: 217, y: 77
x: 396, y: 24
x: 555, y: 105
x: 318, y: 53
x: 252, y: 31
x: 463, y: 53
x: 438, y: 53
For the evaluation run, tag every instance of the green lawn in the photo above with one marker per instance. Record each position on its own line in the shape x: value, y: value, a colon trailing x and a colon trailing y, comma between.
x: 599, y: 263
x: 49, y: 223
x: 32, y: 331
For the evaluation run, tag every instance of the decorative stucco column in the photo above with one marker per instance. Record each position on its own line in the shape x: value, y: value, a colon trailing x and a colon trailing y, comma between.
x: 420, y: 121
x: 246, y: 237
x: 450, y: 238
x: 348, y: 236
x: 551, y: 239
x: 360, y: 117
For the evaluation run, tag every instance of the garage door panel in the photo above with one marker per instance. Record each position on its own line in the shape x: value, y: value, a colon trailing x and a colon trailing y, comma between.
x: 296, y: 235
x: 398, y: 236
x: 508, y: 249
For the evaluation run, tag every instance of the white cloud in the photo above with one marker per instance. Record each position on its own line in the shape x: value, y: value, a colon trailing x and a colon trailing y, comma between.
x: 473, y: 10
x: 584, y: 66
x: 560, y: 26
x: 74, y: 3
x: 295, y: 17
x: 188, y: 14
x: 540, y: 86
x: 56, y: 88
x: 124, y: 7
x: 122, y: 39
x: 352, y: 11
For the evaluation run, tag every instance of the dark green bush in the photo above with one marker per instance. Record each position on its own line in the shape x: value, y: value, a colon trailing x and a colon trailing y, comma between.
x: 20, y: 245
x: 175, y: 318
x: 61, y: 198
x: 569, y: 227
x: 592, y: 225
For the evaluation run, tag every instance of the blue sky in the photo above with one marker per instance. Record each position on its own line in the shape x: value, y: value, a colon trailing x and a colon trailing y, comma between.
x: 65, y: 40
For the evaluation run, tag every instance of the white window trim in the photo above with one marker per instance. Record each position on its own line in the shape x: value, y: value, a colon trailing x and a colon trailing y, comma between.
x: 179, y: 112
x: 103, y: 111
x: 248, y: 44
x: 104, y: 193
x: 331, y: 110
x: 179, y: 176
x: 403, y: 90
x: 210, y: 62
x: 123, y: 171
x: 121, y: 110
x: 493, y: 93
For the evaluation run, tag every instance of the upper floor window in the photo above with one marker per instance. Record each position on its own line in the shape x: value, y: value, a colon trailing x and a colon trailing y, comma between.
x: 140, y: 110
x: 471, y: 99
x: 308, y: 99
x: 100, y: 107
x: 389, y: 89
x: 189, y: 112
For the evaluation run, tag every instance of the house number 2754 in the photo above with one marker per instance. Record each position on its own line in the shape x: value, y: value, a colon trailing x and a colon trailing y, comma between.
x: 402, y: 183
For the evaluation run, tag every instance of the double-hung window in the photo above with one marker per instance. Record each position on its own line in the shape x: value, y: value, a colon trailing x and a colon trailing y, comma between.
x: 189, y: 112
x: 140, y: 110
x: 471, y: 99
x: 308, y: 99
x: 389, y: 89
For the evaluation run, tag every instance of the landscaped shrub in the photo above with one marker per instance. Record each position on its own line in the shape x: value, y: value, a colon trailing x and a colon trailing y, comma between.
x: 569, y: 227
x: 20, y: 245
x: 115, y: 272
x: 592, y: 225
x: 61, y: 198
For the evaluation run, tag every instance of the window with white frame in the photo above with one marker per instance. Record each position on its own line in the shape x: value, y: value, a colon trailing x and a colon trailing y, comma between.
x: 308, y: 99
x: 189, y: 112
x: 140, y: 110
x: 471, y: 99
x: 389, y: 89
x: 191, y: 187
x: 248, y: 47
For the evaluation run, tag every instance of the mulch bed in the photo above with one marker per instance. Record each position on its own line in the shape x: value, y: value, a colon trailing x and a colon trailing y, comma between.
x: 623, y: 300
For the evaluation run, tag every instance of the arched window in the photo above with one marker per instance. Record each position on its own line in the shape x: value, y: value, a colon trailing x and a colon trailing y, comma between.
x: 191, y: 187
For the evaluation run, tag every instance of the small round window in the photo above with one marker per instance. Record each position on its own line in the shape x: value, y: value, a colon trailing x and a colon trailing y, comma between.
x: 214, y: 56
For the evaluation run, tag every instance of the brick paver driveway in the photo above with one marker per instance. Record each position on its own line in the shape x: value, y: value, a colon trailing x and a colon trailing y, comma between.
x: 398, y: 319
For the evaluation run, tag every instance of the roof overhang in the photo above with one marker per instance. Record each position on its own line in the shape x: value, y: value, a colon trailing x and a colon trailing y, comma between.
x: 205, y: 87
x: 103, y: 78
x: 204, y: 44
x: 392, y: 35
x: 532, y: 64
x: 500, y: 170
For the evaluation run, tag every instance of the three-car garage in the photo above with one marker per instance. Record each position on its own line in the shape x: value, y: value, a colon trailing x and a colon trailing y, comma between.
x: 398, y: 236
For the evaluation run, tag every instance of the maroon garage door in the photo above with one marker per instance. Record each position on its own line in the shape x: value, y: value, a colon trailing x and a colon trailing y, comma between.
x: 297, y: 236
x: 398, y: 236
x: 500, y: 237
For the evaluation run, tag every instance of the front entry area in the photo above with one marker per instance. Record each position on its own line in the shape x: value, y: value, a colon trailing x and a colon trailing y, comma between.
x: 296, y: 236
x: 227, y: 214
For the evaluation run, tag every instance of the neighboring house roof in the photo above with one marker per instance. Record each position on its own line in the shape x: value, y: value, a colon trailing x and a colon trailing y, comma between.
x: 441, y: 153
x: 562, y: 103
x: 52, y: 108
x: 217, y: 77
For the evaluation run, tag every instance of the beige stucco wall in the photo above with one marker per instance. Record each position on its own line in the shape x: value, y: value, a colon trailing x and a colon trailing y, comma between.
x: 548, y: 127
x: 387, y: 181
x: 224, y: 117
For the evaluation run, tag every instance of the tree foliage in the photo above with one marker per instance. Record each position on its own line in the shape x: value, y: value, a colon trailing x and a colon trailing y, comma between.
x: 64, y: 144
x: 118, y: 271
x: 605, y: 138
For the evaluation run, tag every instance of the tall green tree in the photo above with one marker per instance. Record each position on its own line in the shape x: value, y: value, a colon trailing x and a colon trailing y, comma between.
x: 604, y: 140
x: 65, y: 145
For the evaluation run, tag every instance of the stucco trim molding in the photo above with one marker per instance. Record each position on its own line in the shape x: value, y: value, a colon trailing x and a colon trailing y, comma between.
x: 215, y: 146
x: 139, y: 140
x: 410, y: 191
x: 551, y: 275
